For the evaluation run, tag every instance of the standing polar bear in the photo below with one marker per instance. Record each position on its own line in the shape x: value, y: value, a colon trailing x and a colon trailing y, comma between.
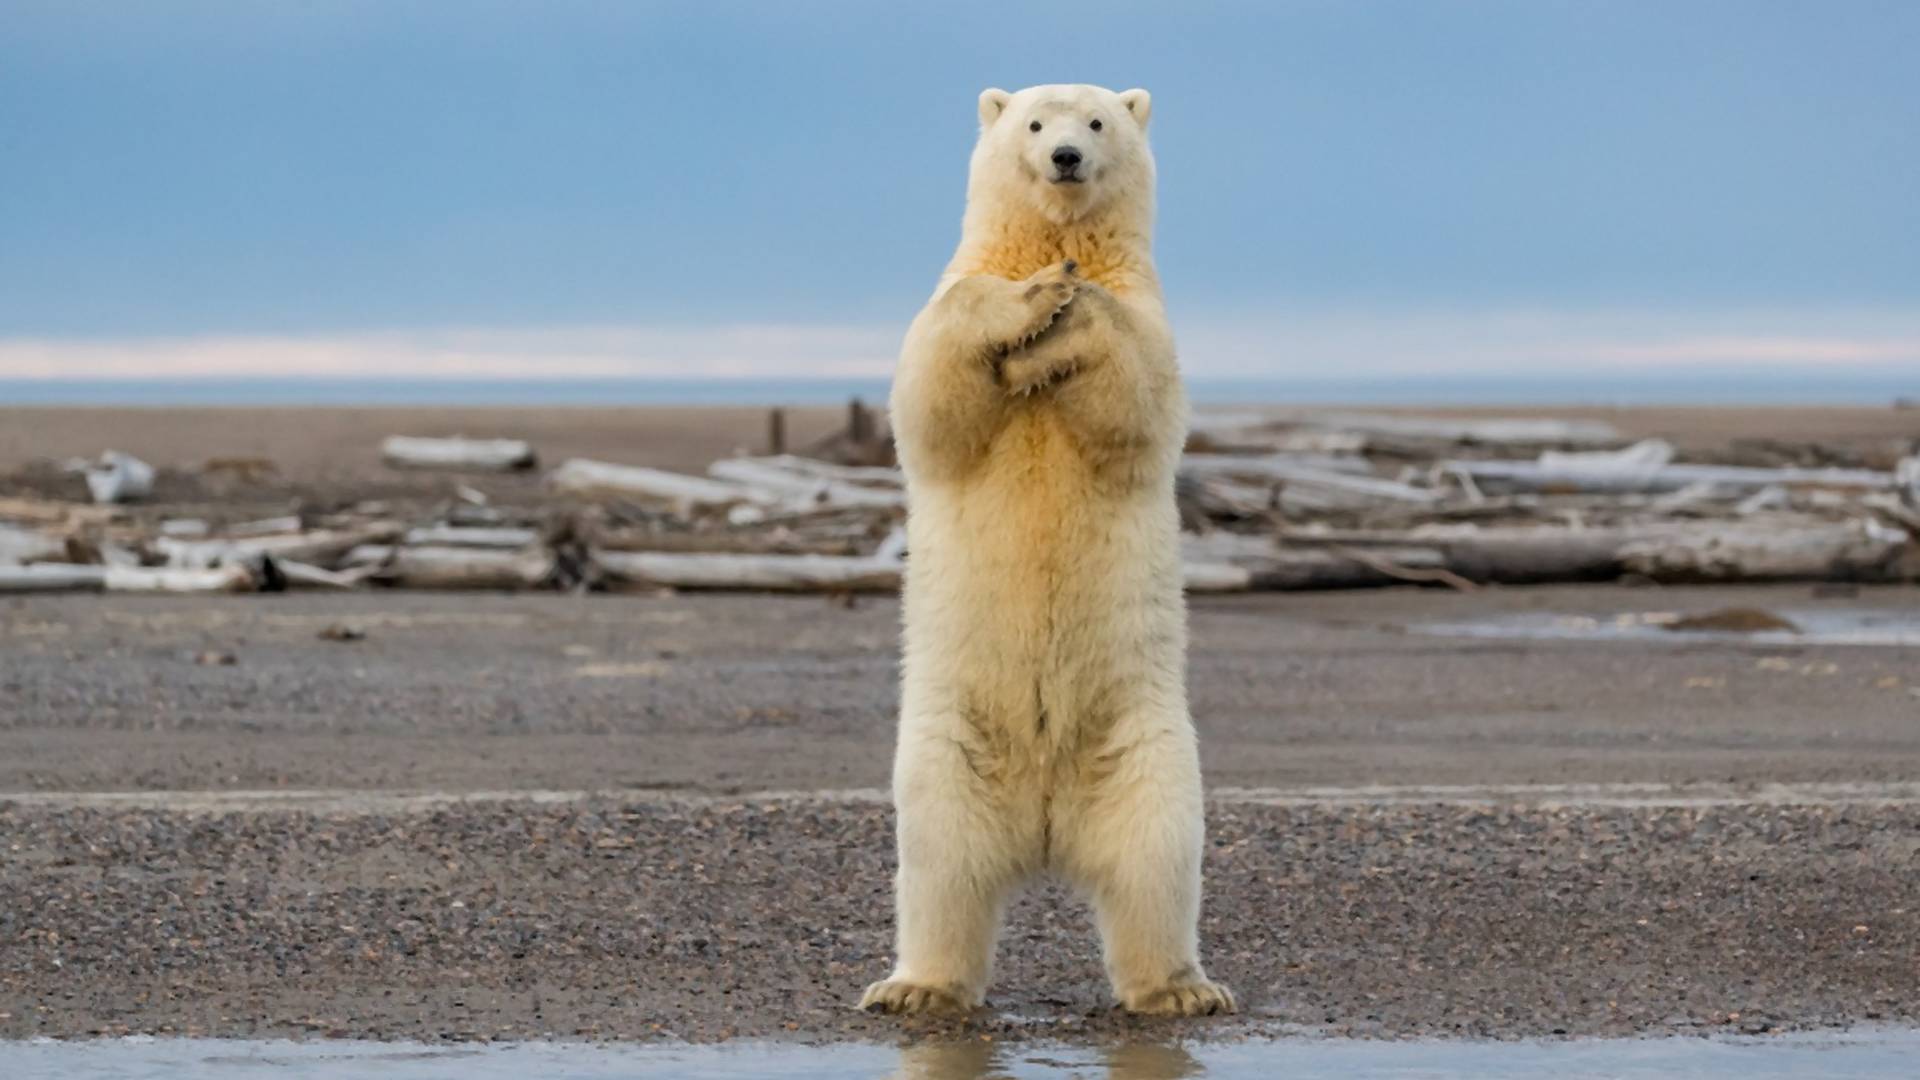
x: 1043, y: 714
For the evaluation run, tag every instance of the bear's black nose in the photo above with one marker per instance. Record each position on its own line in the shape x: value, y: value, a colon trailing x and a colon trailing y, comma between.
x: 1066, y: 159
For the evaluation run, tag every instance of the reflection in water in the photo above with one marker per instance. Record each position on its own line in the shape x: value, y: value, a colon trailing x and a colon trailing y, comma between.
x: 1151, y: 1061
x: 979, y: 1060
x: 970, y: 1060
x: 1875, y: 1054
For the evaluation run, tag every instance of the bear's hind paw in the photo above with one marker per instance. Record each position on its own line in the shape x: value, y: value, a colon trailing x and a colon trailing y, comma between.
x: 1195, y: 997
x: 902, y: 997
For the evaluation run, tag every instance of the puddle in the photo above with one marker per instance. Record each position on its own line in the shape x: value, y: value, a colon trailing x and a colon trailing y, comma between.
x: 1809, y: 627
x: 1868, y: 1055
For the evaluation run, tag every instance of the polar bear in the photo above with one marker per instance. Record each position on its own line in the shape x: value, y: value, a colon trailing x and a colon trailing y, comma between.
x: 1043, y: 717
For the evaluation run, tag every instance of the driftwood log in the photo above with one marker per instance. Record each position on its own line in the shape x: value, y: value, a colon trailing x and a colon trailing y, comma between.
x: 18, y: 545
x: 317, y: 546
x: 1273, y: 466
x: 804, y: 488
x: 686, y: 494
x: 478, y: 536
x: 477, y: 455
x: 119, y: 477
x: 454, y: 567
x: 1205, y: 500
x: 775, y: 541
x: 885, y: 476
x: 1349, y: 432
x: 233, y: 578
x: 1525, y: 431
x: 52, y: 577
x: 1238, y: 488
x: 818, y: 573
x: 1271, y: 566
x: 274, y: 526
x: 777, y: 573
x: 1202, y: 577
x: 68, y: 577
x: 1647, y: 468
x: 1851, y: 551
x: 302, y: 575
x: 1661, y: 551
x: 1250, y: 433
x: 37, y: 511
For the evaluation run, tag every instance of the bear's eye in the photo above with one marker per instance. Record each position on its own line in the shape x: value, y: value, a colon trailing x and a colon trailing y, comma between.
x: 1035, y: 126
x: 1095, y: 125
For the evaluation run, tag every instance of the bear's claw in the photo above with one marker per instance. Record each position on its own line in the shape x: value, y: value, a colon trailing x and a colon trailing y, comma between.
x: 899, y: 996
x: 1199, y: 997
x: 1047, y: 294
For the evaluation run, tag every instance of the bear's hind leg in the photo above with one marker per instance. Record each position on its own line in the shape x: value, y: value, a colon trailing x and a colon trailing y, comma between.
x: 1135, y: 845
x: 961, y: 854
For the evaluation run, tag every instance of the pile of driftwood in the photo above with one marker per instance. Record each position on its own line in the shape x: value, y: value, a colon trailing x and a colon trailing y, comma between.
x: 1332, y: 500
x: 776, y: 522
x: 1315, y: 500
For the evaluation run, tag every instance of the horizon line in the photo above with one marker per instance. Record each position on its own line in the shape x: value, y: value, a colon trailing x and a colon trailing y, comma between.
x: 1773, y: 372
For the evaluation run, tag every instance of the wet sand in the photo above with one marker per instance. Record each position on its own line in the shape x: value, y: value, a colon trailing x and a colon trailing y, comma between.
x: 1727, y: 838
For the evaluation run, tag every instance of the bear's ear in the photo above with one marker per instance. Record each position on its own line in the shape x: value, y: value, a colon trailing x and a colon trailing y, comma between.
x: 1139, y: 103
x: 993, y: 102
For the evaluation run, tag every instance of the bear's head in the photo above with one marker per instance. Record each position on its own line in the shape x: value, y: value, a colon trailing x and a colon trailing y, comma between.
x: 1068, y: 152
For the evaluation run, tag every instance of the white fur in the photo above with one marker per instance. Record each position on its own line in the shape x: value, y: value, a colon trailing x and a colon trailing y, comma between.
x: 1043, y: 723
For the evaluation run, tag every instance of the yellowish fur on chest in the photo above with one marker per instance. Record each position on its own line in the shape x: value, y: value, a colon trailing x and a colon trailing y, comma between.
x: 1103, y: 255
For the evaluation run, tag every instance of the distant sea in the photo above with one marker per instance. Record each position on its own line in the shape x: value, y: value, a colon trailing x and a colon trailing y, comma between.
x: 1873, y: 387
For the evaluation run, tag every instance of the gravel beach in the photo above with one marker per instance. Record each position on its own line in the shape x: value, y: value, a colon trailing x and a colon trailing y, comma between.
x: 614, y: 919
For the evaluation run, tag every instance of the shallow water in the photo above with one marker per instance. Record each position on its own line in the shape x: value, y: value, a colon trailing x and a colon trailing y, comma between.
x: 1869, y: 1055
x: 1814, y: 628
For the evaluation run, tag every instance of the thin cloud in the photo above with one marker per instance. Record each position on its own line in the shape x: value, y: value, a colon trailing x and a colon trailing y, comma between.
x: 1279, y: 344
x: 1540, y: 342
x: 757, y: 351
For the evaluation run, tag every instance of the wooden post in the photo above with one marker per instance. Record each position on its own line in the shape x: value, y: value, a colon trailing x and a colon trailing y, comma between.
x: 859, y: 424
x: 777, y: 431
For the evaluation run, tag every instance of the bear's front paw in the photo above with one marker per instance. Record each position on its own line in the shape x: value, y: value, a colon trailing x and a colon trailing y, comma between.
x: 1185, y: 997
x: 902, y: 997
x: 1046, y: 294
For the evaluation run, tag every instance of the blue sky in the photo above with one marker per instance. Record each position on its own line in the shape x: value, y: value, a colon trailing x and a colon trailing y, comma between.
x: 748, y: 188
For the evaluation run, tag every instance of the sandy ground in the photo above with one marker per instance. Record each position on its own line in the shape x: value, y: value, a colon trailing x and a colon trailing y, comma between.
x: 653, y: 890
x: 728, y: 694
x: 318, y: 450
x: 339, y: 444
